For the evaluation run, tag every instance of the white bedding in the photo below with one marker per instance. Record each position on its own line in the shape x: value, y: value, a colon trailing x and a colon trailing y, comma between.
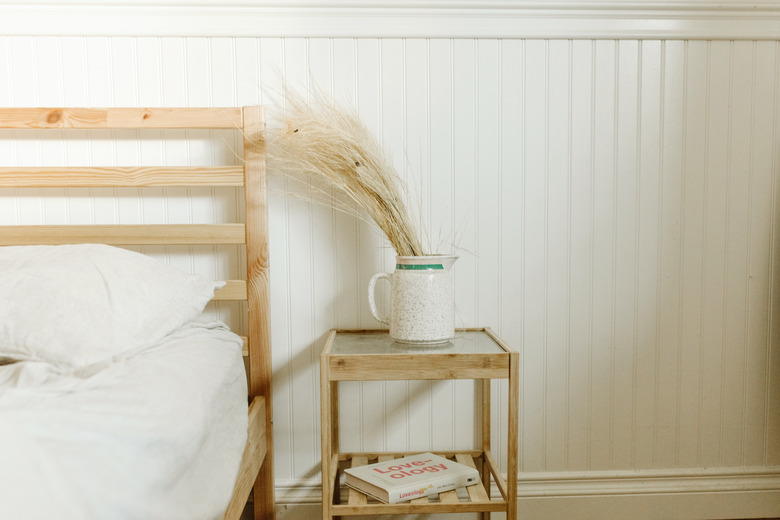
x: 155, y: 433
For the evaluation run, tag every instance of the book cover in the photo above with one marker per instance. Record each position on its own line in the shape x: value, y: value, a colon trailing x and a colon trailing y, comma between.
x: 410, y: 477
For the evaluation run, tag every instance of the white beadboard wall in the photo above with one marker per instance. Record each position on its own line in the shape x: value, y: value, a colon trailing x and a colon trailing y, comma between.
x: 614, y: 204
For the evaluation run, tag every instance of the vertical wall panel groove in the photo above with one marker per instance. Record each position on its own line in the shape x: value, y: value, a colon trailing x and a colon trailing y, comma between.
x: 726, y: 262
x: 521, y: 262
x: 637, y: 237
x: 589, y: 301
x: 613, y: 250
x: 681, y: 257
x: 568, y: 255
x: 750, y: 229
x: 771, y: 415
x: 543, y: 269
x: 660, y: 250
x: 702, y: 295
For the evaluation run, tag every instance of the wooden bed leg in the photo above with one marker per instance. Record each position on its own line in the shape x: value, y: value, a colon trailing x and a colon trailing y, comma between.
x: 256, y: 463
x: 265, y: 501
x: 265, y: 504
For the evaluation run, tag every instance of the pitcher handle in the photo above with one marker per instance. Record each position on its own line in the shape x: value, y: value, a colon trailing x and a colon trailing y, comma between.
x: 371, y: 301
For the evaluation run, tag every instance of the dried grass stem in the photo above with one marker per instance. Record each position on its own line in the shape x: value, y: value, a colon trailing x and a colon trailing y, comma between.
x: 326, y: 145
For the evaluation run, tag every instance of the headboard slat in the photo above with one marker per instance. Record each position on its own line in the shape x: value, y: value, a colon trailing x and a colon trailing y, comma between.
x: 234, y: 290
x: 120, y: 176
x: 124, y: 234
x: 97, y: 118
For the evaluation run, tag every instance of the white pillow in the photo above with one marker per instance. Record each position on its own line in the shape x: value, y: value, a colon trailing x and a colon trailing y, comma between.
x: 76, y: 305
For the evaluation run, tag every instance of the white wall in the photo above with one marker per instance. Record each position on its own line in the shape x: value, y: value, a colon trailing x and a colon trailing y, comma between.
x: 615, y: 203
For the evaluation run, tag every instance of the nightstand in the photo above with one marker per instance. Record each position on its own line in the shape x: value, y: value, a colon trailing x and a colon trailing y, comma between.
x: 372, y: 355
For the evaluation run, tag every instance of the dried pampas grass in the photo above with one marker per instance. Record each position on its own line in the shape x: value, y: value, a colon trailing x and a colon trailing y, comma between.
x: 327, y: 147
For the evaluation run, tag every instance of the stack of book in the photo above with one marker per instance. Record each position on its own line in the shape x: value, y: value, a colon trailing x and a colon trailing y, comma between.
x: 410, y: 477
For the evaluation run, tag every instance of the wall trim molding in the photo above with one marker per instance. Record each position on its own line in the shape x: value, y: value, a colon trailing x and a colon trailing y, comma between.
x: 638, y: 482
x: 604, y: 495
x: 610, y: 19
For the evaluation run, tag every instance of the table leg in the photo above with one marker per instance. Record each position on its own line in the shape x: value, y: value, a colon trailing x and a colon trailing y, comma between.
x: 485, y: 424
x: 513, y: 418
x: 334, y: 441
x: 326, y: 420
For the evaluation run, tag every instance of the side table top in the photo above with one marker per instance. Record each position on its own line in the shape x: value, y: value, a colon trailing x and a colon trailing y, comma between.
x: 466, y: 341
x: 373, y: 355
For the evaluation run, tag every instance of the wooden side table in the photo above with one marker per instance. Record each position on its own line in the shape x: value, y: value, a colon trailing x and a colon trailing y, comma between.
x: 371, y: 355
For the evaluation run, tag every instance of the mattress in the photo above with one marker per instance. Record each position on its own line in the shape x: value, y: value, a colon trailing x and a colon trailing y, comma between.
x: 154, y: 433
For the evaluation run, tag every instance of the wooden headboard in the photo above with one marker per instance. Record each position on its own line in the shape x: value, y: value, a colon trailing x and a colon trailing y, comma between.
x: 252, y: 233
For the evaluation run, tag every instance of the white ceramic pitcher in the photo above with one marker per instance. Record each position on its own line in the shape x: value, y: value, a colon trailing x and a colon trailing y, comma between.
x: 422, y: 304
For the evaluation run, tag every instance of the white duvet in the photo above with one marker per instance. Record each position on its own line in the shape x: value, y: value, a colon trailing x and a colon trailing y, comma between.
x: 156, y: 433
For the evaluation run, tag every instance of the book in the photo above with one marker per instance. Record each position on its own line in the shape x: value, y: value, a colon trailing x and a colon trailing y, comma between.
x: 410, y: 477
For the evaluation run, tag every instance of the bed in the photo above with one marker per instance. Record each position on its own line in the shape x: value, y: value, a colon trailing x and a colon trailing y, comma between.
x: 204, y: 390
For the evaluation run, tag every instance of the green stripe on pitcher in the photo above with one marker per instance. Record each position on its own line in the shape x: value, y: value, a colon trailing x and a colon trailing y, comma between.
x: 418, y: 267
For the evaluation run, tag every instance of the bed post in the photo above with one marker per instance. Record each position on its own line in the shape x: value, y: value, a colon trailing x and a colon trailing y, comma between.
x: 256, y: 218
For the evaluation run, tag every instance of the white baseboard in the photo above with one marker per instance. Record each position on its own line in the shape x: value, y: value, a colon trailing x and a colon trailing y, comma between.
x: 699, y: 494
x: 637, y: 482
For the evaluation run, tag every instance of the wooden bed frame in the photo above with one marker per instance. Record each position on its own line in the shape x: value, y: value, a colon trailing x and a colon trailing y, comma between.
x: 256, y: 466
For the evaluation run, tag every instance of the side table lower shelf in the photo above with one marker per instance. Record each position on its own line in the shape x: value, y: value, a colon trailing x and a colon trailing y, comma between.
x: 475, y: 498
